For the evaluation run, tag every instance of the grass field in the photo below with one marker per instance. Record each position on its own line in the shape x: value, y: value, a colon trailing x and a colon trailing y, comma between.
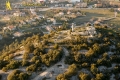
x: 105, y: 12
x: 115, y: 23
x: 97, y: 13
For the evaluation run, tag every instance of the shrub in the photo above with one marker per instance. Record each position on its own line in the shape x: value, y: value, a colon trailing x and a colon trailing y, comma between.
x: 17, y: 75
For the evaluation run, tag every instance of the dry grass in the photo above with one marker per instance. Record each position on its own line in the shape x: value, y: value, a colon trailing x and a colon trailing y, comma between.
x: 100, y: 11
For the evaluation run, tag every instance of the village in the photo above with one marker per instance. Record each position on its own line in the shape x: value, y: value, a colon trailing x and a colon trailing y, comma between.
x: 60, y: 40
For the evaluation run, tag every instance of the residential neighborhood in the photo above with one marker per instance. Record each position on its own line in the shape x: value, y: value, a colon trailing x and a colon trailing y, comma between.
x: 60, y: 40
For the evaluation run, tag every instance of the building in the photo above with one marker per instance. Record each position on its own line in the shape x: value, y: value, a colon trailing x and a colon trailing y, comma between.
x: 11, y: 27
x: 17, y: 34
x: 19, y: 14
x: 81, y: 5
x: 61, y: 13
x: 6, y: 18
x: 69, y: 5
x: 98, y: 5
x: 113, y: 3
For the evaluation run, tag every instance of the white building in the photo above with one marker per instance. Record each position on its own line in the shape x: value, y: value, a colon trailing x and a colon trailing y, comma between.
x: 81, y: 5
x: 17, y: 34
x: 33, y: 11
x: 91, y: 30
x: 61, y: 13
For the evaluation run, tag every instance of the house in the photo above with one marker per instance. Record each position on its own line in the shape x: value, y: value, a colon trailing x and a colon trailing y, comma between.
x: 81, y: 5
x: 91, y: 30
x: 64, y: 19
x: 11, y: 27
x: 19, y: 14
x: 23, y: 22
x: 2, y: 13
x: 41, y: 16
x: 118, y: 9
x: 69, y: 12
x: 29, y: 21
x: 50, y: 20
x: 115, y: 3
x: 33, y: 11
x: 69, y: 5
x: 61, y: 13
x: 6, y: 18
x: 48, y: 28
x: 17, y: 34
x: 79, y: 14
x: 98, y: 5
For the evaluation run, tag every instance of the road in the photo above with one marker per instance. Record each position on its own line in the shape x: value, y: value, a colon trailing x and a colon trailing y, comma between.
x: 54, y: 68
x: 45, y: 9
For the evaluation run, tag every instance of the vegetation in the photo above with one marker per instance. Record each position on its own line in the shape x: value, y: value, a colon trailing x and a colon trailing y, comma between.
x: 17, y: 75
x: 85, y: 53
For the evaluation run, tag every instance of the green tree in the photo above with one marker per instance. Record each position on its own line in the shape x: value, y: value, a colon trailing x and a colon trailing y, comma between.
x: 61, y: 77
x: 72, y: 70
x: 17, y: 75
x: 99, y: 76
x: 25, y: 62
x: 31, y: 67
x: 84, y: 76
x: 93, y: 69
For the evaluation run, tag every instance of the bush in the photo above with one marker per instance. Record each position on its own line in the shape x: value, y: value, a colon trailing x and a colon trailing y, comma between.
x: 112, y: 10
x: 25, y: 63
x: 13, y: 64
x: 17, y: 75
x: 4, y: 69
x: 31, y: 68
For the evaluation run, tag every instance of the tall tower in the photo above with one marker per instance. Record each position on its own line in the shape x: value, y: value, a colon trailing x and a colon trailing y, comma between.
x: 72, y: 27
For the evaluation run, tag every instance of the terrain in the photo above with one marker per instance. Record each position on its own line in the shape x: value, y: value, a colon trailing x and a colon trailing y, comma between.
x: 87, y: 51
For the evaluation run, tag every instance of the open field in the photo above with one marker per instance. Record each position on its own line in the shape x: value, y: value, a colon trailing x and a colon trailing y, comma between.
x: 87, y: 18
x: 115, y: 23
x: 105, y: 12
x: 96, y: 13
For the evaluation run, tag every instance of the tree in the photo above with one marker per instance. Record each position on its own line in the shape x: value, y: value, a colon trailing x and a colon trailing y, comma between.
x: 99, y: 76
x: 13, y: 76
x: 26, y: 55
x: 90, y: 53
x: 61, y: 77
x: 93, y: 69
x: 72, y: 70
x: 13, y: 64
x: 25, y: 63
x: 17, y: 75
x: 4, y: 69
x: 31, y: 68
x: 56, y: 46
x: 84, y: 76
x: 23, y: 76
x: 29, y: 48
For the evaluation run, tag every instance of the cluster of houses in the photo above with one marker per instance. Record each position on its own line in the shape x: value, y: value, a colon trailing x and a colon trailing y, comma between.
x: 89, y: 31
x: 10, y: 27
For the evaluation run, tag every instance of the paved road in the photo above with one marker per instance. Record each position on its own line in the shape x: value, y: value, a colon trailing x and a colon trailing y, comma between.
x: 45, y: 9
